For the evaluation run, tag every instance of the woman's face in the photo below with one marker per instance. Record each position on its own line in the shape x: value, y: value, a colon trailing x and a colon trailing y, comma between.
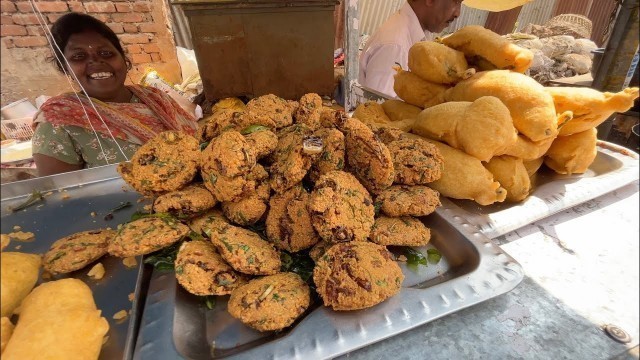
x: 99, y: 67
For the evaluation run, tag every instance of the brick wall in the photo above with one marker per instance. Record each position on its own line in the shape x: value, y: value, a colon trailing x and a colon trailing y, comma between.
x: 141, y: 25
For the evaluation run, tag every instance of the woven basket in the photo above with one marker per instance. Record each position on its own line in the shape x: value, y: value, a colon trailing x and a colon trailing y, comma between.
x: 571, y: 24
x: 17, y: 128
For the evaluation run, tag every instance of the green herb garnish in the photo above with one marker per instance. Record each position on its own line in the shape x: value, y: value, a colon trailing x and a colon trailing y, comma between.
x: 414, y: 258
x: 253, y: 128
x: 35, y: 197
x: 433, y: 256
x: 122, y: 205
x: 164, y: 259
x: 299, y: 263
x: 210, y: 301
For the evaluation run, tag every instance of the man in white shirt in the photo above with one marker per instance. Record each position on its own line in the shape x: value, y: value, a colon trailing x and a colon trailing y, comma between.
x: 417, y: 20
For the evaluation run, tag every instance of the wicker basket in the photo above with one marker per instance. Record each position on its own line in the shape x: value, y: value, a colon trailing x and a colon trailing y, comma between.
x: 19, y: 129
x: 571, y: 24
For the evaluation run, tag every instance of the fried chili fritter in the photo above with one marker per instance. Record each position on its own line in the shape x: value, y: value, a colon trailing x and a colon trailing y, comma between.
x: 403, y: 200
x: 270, y: 302
x: 368, y: 158
x: 188, y: 201
x: 288, y: 221
x: 341, y: 208
x: 245, y: 251
x: 202, y: 271
x: 76, y: 251
x: 332, y: 156
x: 273, y: 107
x: 167, y: 162
x: 400, y: 231
x: 309, y: 111
x: 415, y: 161
x: 291, y: 161
x: 356, y: 275
x: 146, y: 235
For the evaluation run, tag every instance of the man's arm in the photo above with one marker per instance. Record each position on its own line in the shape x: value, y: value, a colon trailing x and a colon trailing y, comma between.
x: 378, y: 73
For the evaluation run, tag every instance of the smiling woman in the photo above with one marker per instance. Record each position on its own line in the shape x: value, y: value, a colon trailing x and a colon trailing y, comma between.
x: 107, y: 121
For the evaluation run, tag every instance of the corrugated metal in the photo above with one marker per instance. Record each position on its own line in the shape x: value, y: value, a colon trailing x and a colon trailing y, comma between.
x: 468, y: 16
x: 580, y: 7
x: 536, y: 12
x: 181, y: 31
x: 372, y: 13
x: 600, y: 15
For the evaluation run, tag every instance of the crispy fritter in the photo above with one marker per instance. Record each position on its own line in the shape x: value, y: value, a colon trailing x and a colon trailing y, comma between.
x: 273, y: 107
x: 387, y: 134
x: 271, y: 302
x: 245, y: 250
x: 202, y: 271
x: 262, y: 141
x: 332, y: 156
x: 400, y: 231
x: 288, y: 221
x: 341, y: 208
x: 188, y: 201
x: 309, y: 110
x: 291, y: 161
x: 206, y: 223
x: 146, y: 235
x: 76, y: 251
x: 356, y: 275
x: 415, y: 161
x: 402, y: 200
x: 251, y: 208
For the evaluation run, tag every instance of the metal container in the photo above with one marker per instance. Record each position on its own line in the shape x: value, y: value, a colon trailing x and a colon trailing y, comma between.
x: 597, y: 58
x: 252, y: 48
x: 18, y: 109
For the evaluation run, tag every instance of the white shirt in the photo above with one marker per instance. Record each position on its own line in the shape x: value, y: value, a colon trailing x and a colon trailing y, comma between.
x: 390, y: 45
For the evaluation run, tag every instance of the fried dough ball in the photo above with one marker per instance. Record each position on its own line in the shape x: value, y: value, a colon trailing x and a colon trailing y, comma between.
x: 400, y: 231
x: 271, y: 302
x: 167, y: 162
x: 368, y: 158
x: 288, y: 221
x: 415, y: 161
x: 309, y: 110
x: 76, y: 251
x: 356, y: 275
x: 341, y: 208
x: 273, y: 107
x: 202, y: 271
x: 146, y: 235
x: 402, y: 200
x: 245, y: 251
x: 188, y: 201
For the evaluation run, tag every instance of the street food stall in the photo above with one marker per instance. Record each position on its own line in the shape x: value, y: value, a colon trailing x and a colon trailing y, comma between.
x: 484, y: 217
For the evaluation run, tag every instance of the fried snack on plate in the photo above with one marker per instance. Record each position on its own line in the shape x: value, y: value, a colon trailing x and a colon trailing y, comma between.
x: 590, y: 107
x: 232, y: 103
x: 464, y: 177
x: 532, y: 167
x: 371, y: 112
x: 572, y: 154
x: 272, y: 107
x: 414, y: 90
x: 403, y: 200
x: 288, y: 221
x: 438, y: 63
x: 333, y: 153
x: 262, y: 140
x: 531, y: 107
x: 188, y: 201
x: 18, y: 275
x: 415, y: 161
x: 251, y: 208
x: 356, y: 275
x: 482, y: 128
x: 526, y: 149
x: 77, y: 250
x: 6, y: 330
x: 400, y: 231
x: 245, y: 251
x: 270, y: 302
x: 511, y: 173
x: 297, y: 150
x: 309, y: 111
x: 58, y: 320
x: 476, y: 41
x: 398, y: 110
x: 146, y: 235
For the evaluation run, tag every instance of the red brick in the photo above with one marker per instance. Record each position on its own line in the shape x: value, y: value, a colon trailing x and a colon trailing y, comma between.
x: 151, y: 48
x: 134, y: 38
x: 54, y: 17
x: 8, y: 43
x: 130, y: 28
x: 149, y: 28
x: 155, y: 57
x: 123, y: 7
x: 52, y: 6
x: 35, y: 30
x: 25, y: 19
x: 6, y: 20
x: 7, y: 6
x: 116, y: 27
x: 100, y: 7
x: 105, y: 18
x: 24, y: 7
x: 76, y: 6
x: 140, y: 58
x: 30, y: 41
x: 127, y: 17
x: 134, y: 49
x: 12, y: 30
x: 141, y: 7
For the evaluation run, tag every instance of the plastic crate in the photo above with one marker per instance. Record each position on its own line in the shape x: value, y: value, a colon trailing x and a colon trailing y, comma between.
x: 19, y: 129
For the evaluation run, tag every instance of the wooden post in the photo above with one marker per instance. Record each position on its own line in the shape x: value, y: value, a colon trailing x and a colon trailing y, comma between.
x: 503, y: 22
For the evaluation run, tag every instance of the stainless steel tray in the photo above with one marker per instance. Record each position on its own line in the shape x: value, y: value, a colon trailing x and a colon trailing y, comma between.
x: 614, y: 167
x: 94, y: 190
x: 176, y: 324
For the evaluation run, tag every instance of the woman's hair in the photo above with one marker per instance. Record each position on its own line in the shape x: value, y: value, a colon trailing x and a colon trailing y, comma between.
x: 75, y: 23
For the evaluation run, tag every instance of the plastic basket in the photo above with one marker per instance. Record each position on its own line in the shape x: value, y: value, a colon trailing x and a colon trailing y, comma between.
x: 578, y: 23
x: 17, y: 128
